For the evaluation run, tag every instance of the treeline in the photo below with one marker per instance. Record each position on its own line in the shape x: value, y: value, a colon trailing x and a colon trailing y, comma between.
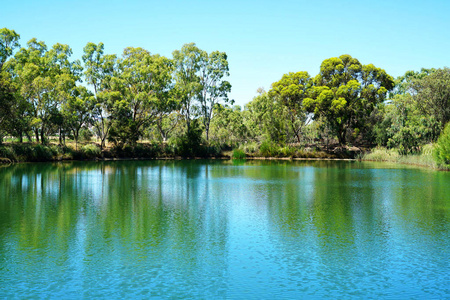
x: 181, y: 104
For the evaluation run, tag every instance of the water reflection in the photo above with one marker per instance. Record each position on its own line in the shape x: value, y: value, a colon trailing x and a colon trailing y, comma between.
x: 223, y: 229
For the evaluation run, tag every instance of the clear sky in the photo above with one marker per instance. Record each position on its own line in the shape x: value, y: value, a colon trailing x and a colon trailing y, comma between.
x: 263, y: 39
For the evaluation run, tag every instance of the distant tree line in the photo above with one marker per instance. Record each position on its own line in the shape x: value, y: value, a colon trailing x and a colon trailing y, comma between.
x: 182, y: 102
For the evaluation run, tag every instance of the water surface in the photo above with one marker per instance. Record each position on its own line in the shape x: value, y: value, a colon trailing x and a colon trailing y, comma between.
x: 219, y: 229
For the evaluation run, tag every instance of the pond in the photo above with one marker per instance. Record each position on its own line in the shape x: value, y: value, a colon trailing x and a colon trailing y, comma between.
x: 224, y: 230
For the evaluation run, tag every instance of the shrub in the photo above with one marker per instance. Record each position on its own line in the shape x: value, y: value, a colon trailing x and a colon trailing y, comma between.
x: 287, y: 151
x: 268, y: 149
x: 86, y: 135
x: 238, y: 154
x: 91, y: 151
x: 190, y: 144
x: 251, y: 147
x: 442, y: 149
x: 8, y: 152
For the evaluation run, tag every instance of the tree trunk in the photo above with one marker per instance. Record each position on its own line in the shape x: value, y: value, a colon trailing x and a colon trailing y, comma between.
x: 341, y: 137
x: 42, y: 136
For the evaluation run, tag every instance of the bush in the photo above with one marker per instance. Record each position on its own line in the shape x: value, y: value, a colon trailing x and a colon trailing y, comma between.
x: 8, y: 152
x: 442, y: 149
x: 190, y: 144
x: 29, y: 152
x: 287, y: 151
x: 251, y: 147
x: 238, y: 154
x: 268, y: 149
x: 91, y: 151
x: 86, y: 135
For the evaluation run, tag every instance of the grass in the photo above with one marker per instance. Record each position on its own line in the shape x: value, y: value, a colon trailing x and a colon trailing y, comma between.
x: 425, y: 158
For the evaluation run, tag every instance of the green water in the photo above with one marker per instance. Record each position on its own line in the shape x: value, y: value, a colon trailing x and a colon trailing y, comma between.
x: 224, y: 230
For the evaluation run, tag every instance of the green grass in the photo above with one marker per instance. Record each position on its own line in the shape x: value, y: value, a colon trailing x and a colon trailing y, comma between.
x: 425, y: 158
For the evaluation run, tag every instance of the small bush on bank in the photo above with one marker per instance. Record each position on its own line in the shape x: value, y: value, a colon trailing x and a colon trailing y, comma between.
x: 136, y: 151
x: 8, y: 152
x: 268, y: 149
x: 423, y: 158
x: 382, y: 154
x: 250, y: 148
x: 29, y: 152
x: 442, y: 148
x: 91, y: 151
x: 86, y: 135
x: 238, y: 154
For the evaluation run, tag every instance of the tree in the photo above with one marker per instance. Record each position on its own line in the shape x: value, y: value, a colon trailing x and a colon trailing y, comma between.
x: 442, y: 149
x: 213, y: 68
x: 142, y: 80
x: 77, y: 111
x: 7, y: 100
x: 227, y: 127
x: 99, y: 69
x: 346, y: 93
x: 265, y: 119
x: 290, y: 91
x: 9, y: 40
x: 187, y: 62
x: 432, y: 95
x: 403, y: 84
x: 46, y: 78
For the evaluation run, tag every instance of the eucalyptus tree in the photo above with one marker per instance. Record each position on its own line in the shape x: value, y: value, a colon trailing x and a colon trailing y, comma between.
x: 187, y: 63
x: 167, y: 116
x: 213, y: 69
x: 77, y: 111
x: 45, y: 77
x: 265, y: 119
x: 432, y: 96
x: 99, y: 68
x: 9, y: 41
x: 290, y: 91
x: 143, y: 81
x: 346, y: 93
x: 200, y: 81
x: 228, y: 126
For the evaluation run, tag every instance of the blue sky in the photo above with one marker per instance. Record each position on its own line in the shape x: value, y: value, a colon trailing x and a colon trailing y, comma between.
x: 263, y: 39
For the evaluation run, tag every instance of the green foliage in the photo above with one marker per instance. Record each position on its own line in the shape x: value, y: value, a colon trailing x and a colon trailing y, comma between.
x: 91, y: 151
x: 265, y: 119
x: 423, y: 158
x: 346, y: 94
x: 9, y: 40
x: 442, y: 149
x: 238, y: 154
x: 190, y: 144
x: 405, y: 127
x: 432, y: 95
x: 269, y: 149
x: 290, y: 91
x: 228, y: 128
x: 250, y: 148
x: 29, y: 152
x: 86, y: 135
x: 182, y: 104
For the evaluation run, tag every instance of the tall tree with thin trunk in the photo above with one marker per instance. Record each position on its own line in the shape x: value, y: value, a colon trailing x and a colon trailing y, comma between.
x: 98, y: 71
x: 213, y: 69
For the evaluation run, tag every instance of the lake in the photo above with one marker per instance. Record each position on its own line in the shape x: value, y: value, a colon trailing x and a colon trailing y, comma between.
x: 224, y: 230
